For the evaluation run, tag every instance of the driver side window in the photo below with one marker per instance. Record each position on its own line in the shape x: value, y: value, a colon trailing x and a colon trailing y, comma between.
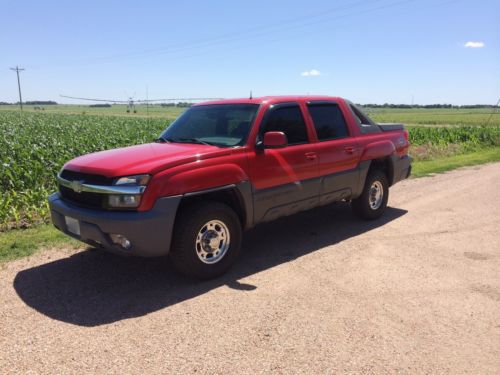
x: 288, y: 120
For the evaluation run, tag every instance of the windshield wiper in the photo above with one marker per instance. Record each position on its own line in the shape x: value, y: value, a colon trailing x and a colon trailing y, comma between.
x: 163, y: 140
x: 192, y: 140
x: 183, y: 140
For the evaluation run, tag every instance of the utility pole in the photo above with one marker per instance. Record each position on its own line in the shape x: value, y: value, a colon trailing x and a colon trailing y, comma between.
x: 147, y: 104
x: 17, y: 70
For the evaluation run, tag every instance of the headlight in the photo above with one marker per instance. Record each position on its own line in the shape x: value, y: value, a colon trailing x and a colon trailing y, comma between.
x: 137, y: 180
x: 128, y: 200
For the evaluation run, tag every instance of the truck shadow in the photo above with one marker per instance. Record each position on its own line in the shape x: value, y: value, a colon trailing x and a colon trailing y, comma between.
x: 92, y: 287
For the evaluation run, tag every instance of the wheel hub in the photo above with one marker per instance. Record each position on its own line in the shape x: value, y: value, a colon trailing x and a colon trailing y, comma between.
x: 376, y: 195
x: 212, y: 241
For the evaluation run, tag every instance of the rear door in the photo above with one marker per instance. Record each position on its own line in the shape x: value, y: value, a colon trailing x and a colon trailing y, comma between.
x: 286, y: 180
x: 337, y: 150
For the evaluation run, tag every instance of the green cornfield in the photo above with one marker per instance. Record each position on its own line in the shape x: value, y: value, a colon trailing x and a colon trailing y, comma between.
x: 34, y: 146
x: 469, y: 135
x: 441, y: 117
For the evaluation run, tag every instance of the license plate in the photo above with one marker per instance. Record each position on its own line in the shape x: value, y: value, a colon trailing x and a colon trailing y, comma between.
x: 72, y: 225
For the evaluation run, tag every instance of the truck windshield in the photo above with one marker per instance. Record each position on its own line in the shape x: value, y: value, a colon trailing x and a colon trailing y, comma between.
x: 223, y: 125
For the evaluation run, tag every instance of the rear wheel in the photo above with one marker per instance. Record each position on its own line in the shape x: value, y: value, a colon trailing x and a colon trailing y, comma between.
x: 207, y: 240
x: 372, y: 202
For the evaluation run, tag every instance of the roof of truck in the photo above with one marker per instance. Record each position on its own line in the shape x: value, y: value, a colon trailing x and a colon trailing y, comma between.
x: 271, y: 99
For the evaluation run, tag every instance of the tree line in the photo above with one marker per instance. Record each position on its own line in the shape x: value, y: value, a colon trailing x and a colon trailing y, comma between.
x: 370, y: 105
x: 428, y: 106
x: 32, y: 102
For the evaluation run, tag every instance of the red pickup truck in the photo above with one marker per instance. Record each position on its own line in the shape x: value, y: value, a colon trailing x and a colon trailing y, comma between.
x: 225, y: 166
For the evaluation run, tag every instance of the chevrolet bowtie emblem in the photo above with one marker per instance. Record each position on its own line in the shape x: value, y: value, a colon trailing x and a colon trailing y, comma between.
x: 77, y: 186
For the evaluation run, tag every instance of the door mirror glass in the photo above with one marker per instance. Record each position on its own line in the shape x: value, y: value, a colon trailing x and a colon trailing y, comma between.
x: 275, y: 140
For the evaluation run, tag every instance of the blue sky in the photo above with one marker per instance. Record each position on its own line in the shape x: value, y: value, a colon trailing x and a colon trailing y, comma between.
x: 371, y: 51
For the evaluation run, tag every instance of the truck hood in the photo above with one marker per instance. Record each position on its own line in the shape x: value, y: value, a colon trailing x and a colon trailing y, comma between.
x: 146, y: 158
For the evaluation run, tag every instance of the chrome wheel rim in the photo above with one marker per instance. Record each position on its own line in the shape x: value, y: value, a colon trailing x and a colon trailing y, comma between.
x: 376, y: 195
x: 212, y: 241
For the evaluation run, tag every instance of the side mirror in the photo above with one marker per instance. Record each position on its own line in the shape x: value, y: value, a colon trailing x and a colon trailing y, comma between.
x: 275, y: 140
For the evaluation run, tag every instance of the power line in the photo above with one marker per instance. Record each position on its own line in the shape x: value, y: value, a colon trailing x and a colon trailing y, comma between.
x: 17, y: 70
x: 271, y: 32
x: 254, y: 32
x: 273, y: 36
x: 131, y: 99
x: 227, y: 37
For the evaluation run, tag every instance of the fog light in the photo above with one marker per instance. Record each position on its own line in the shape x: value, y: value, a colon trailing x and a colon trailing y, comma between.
x: 120, y: 240
x: 124, y: 201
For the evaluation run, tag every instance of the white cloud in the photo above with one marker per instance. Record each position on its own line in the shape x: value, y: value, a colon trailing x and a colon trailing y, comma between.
x: 474, y: 45
x: 311, y: 73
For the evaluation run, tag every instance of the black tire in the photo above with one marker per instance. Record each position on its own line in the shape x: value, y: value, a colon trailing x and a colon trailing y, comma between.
x: 361, y: 205
x: 185, y: 249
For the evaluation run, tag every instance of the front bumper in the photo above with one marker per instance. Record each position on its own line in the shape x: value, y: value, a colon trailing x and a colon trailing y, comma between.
x: 149, y: 232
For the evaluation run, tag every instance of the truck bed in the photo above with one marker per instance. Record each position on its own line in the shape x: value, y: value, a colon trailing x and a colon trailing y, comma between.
x: 387, y: 127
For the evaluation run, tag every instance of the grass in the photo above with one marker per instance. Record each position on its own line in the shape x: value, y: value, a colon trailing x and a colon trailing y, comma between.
x: 20, y: 243
x: 448, y: 163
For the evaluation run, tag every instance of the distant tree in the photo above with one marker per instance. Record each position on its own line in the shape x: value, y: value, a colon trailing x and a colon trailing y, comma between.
x: 105, y: 105
x: 184, y: 104
x: 40, y: 102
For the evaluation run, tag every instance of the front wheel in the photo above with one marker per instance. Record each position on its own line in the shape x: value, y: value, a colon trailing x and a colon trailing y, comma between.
x: 372, y: 202
x: 207, y: 240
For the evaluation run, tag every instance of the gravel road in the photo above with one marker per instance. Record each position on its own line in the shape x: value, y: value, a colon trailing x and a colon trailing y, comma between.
x: 319, y: 292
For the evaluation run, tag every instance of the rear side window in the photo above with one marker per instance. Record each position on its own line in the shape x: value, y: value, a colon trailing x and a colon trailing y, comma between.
x: 288, y: 120
x: 328, y: 121
x: 366, y: 125
x: 360, y: 116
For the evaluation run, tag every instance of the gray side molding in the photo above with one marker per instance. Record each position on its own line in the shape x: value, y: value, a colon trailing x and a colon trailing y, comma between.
x: 244, y: 195
x: 211, y: 190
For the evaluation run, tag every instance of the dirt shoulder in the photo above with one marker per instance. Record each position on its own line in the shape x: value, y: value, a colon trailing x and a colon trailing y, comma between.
x: 319, y: 292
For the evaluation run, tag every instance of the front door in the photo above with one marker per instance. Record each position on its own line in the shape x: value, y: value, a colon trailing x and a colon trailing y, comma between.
x: 285, y: 180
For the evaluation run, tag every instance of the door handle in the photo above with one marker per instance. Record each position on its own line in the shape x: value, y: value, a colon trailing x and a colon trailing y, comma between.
x: 311, y: 155
x: 349, y: 150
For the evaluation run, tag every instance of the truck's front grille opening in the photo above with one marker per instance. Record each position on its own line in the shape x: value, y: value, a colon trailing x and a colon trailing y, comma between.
x: 84, y: 199
x: 94, y: 179
x: 94, y: 200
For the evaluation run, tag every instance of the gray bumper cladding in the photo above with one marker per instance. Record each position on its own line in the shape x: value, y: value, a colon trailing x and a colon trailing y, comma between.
x: 149, y: 232
x: 402, y: 168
